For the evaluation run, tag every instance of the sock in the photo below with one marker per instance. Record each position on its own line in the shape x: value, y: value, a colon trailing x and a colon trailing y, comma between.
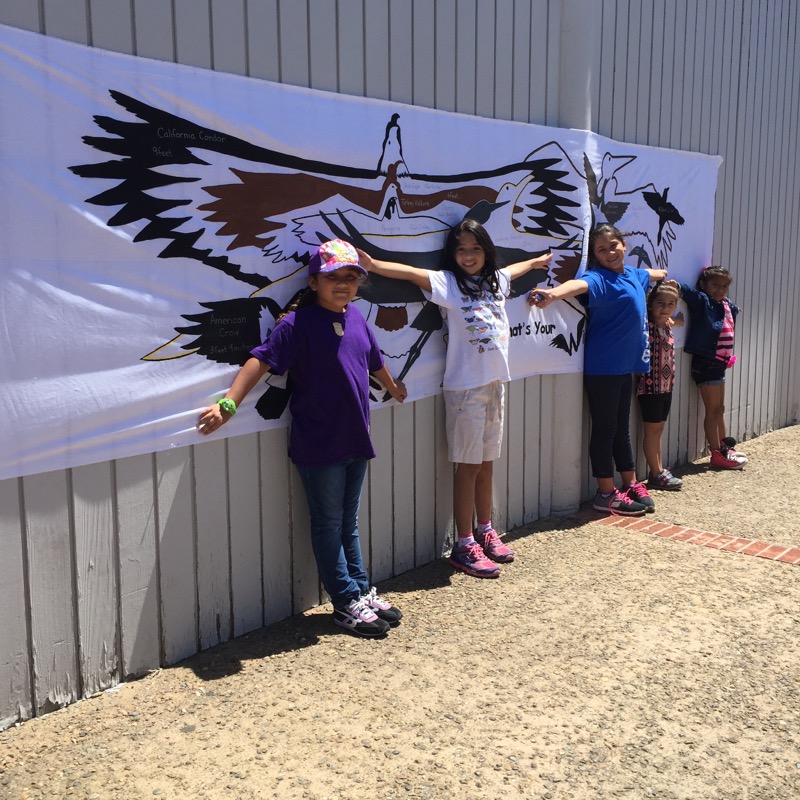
x: 484, y: 527
x: 467, y: 539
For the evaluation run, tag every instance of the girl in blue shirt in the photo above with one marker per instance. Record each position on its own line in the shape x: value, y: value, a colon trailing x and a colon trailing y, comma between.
x: 617, y: 346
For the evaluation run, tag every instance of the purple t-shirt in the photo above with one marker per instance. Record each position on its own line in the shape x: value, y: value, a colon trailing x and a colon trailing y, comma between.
x: 328, y: 356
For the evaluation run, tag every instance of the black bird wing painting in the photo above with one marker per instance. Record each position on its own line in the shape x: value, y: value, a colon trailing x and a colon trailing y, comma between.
x: 666, y: 211
x: 569, y: 347
x: 254, y: 214
x: 652, y: 234
x: 601, y: 194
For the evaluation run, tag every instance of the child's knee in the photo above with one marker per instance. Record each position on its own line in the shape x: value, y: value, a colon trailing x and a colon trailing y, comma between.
x: 713, y: 406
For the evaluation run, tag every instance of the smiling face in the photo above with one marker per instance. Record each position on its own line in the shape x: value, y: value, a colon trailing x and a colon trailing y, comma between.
x: 717, y: 287
x: 609, y: 252
x: 335, y: 289
x: 662, y: 308
x: 469, y: 255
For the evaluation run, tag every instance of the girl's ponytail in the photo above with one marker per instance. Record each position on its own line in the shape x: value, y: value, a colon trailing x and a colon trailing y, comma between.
x: 304, y: 298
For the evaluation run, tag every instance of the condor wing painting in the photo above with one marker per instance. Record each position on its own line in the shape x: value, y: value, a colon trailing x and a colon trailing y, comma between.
x: 159, y: 218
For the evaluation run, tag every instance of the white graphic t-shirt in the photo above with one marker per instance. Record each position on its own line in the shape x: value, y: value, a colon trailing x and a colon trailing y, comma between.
x: 477, y: 345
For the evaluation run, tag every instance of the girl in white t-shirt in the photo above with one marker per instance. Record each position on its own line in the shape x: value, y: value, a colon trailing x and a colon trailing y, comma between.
x: 471, y: 292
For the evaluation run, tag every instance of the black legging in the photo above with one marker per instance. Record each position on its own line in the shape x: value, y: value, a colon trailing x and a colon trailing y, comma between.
x: 610, y: 409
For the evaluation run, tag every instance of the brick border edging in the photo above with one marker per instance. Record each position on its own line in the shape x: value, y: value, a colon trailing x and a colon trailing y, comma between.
x: 719, y: 541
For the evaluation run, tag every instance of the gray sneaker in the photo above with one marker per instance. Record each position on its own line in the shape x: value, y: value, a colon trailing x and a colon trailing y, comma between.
x: 637, y: 492
x: 664, y: 480
x: 618, y: 504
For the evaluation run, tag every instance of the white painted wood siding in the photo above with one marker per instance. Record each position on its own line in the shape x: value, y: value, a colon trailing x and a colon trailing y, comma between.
x: 114, y: 569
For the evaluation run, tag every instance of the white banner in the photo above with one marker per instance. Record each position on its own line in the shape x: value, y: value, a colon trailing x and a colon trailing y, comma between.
x: 156, y: 218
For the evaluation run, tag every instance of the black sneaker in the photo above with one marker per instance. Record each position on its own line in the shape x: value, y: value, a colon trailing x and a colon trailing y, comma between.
x: 358, y: 618
x: 728, y: 447
x: 383, y: 608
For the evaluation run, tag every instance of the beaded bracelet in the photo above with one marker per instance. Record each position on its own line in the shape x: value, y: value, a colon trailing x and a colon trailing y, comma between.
x: 226, y: 404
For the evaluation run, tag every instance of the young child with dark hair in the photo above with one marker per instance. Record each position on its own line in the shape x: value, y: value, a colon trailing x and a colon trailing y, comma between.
x: 709, y: 340
x: 329, y: 352
x: 471, y: 291
x: 654, y: 388
x: 617, y: 347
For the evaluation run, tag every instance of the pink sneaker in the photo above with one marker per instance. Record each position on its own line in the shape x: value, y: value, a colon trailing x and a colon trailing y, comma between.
x: 493, y: 547
x: 472, y: 560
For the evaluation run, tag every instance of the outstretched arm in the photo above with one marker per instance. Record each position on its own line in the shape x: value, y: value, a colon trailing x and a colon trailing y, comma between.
x: 521, y: 267
x: 214, y: 417
x: 397, y: 389
x: 541, y: 298
x: 657, y: 274
x: 391, y: 269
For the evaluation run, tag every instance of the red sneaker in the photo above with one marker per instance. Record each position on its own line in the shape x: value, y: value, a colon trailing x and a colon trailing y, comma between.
x: 724, y: 460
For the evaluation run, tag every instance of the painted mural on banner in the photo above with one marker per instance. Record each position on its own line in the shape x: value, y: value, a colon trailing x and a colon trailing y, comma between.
x: 157, y: 220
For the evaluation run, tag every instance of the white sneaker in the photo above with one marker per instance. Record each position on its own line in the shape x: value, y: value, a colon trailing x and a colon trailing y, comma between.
x: 383, y: 608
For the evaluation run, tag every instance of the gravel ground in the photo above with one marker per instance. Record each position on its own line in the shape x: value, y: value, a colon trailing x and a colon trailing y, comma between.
x: 602, y: 664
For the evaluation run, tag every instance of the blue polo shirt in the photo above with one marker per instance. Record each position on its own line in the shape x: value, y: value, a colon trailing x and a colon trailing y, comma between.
x: 616, y: 340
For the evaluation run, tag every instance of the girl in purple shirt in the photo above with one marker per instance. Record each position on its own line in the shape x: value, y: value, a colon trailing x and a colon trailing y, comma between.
x: 328, y: 351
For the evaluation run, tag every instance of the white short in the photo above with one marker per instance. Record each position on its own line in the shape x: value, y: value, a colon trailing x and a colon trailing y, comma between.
x: 474, y: 423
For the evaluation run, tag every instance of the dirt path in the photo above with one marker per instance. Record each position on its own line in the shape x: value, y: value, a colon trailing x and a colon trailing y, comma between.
x: 603, y: 664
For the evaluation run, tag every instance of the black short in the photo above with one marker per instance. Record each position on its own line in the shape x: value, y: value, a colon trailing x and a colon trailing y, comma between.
x: 707, y: 370
x: 655, y: 407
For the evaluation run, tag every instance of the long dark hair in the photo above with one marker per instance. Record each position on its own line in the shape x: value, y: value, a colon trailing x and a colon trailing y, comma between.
x: 487, y: 279
x: 602, y: 229
x: 303, y: 298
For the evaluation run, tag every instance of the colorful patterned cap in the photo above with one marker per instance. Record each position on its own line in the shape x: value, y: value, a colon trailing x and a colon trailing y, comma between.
x: 334, y: 255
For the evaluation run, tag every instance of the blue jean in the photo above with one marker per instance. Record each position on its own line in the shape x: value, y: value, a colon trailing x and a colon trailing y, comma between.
x: 333, y: 493
x: 610, y: 410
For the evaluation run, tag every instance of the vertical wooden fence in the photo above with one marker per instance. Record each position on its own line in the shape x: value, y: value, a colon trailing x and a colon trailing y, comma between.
x: 113, y: 569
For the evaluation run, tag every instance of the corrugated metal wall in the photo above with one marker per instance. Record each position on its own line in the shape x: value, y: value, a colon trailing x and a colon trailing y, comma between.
x: 116, y: 568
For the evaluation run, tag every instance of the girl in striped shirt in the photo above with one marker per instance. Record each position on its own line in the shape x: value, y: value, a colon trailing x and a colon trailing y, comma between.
x: 712, y: 317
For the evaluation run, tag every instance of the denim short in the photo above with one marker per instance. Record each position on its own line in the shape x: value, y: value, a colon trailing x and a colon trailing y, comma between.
x: 474, y: 423
x: 708, y: 371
